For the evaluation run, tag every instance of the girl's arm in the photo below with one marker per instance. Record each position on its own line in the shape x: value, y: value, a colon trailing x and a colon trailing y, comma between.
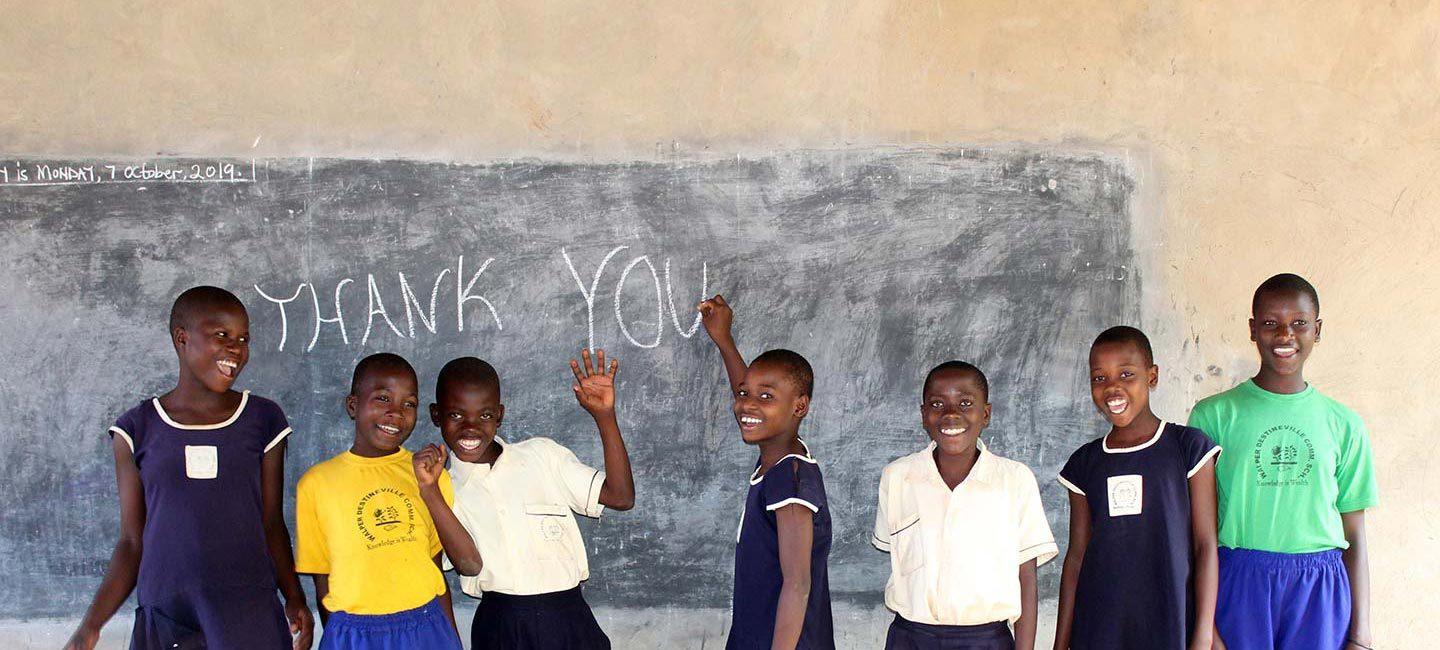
x: 459, y: 546
x: 445, y: 602
x: 1357, y: 565
x: 1070, y: 575
x: 124, y: 566
x: 796, y: 531
x: 1029, y: 604
x: 595, y: 390
x: 1207, y: 558
x: 277, y: 539
x: 322, y: 588
x: 717, y: 316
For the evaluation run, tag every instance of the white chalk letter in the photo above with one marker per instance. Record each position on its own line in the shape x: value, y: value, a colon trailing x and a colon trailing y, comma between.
x: 339, y: 315
x: 670, y: 296
x: 377, y: 306
x: 409, y: 297
x: 284, y: 326
x: 590, y: 297
x: 462, y: 293
x: 659, y: 306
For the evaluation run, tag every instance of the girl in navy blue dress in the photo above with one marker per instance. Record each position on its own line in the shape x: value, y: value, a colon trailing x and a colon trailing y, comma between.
x: 1142, y: 567
x: 201, y: 475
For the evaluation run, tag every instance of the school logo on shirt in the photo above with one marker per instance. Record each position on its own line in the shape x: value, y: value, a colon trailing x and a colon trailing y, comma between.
x: 385, y: 516
x: 1283, y: 455
x: 1127, y: 494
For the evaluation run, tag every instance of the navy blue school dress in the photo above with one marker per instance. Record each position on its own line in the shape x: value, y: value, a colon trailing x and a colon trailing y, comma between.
x: 794, y: 480
x: 206, y: 579
x: 1135, y: 588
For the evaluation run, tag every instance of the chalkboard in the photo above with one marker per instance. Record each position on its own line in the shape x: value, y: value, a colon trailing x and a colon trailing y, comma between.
x: 875, y: 263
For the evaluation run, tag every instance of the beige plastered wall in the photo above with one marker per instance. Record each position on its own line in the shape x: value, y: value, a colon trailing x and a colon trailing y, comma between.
x: 1266, y: 136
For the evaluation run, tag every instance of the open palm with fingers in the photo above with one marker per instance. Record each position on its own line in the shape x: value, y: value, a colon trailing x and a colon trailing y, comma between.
x: 595, y: 383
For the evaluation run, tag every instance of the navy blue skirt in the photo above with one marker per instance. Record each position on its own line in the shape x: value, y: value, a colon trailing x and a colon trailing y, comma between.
x: 909, y: 635
x: 561, y: 620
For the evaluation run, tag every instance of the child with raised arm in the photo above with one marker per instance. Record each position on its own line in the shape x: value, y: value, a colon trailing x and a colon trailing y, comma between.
x: 782, y: 587
x: 511, y: 533
x: 201, y: 471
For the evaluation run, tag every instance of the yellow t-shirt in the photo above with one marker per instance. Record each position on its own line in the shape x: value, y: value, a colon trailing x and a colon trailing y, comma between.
x: 362, y: 521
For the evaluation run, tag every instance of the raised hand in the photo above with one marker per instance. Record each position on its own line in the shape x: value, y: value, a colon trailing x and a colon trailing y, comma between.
x: 717, y: 316
x: 594, y: 383
x: 429, y: 463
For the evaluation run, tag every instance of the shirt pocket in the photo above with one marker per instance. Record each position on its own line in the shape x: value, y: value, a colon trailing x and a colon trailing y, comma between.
x: 908, y: 545
x: 548, y: 522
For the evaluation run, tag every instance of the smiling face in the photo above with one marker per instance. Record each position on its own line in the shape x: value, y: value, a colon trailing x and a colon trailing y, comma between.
x: 383, y: 407
x: 469, y: 415
x: 1285, y: 328
x: 955, y: 410
x: 768, y: 404
x: 215, y: 346
x: 1120, y: 381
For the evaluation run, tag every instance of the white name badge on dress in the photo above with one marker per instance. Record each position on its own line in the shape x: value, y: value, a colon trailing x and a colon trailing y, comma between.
x: 201, y: 461
x: 1127, y: 494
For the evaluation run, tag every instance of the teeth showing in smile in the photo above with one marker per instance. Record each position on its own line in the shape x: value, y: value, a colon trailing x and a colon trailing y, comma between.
x: 1285, y: 351
x: 1117, y: 404
x: 468, y: 444
x: 952, y: 431
x: 749, y: 420
x: 394, y: 431
x: 227, y: 367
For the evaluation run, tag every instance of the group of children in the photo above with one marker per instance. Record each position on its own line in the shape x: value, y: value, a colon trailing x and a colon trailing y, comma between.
x: 1173, y: 544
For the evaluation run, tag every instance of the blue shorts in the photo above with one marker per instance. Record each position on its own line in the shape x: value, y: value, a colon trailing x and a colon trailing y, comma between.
x: 225, y: 619
x: 1282, y: 601
x: 425, y: 626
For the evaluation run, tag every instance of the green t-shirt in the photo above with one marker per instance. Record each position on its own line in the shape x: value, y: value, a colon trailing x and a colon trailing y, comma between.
x: 1292, y: 464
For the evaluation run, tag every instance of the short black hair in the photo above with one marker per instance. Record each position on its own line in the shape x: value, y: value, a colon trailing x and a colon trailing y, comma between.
x: 467, y: 370
x: 197, y: 300
x: 380, y: 361
x: 1128, y: 335
x: 796, y: 368
x: 962, y: 366
x: 1285, y: 283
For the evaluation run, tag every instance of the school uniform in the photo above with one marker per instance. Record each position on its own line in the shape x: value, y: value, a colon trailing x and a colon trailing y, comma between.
x: 793, y: 480
x: 361, y: 521
x: 520, y: 511
x: 205, y: 577
x: 1136, y: 587
x: 1294, y: 464
x: 955, y: 554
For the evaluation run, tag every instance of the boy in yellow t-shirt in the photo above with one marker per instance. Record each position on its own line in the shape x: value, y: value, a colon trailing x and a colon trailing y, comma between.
x: 362, y: 529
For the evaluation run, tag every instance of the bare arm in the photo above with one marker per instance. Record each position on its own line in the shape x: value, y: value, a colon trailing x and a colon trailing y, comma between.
x: 796, y: 531
x: 1203, y: 548
x: 717, y: 316
x: 124, y: 567
x: 322, y: 589
x: 445, y: 602
x: 458, y: 545
x: 277, y: 540
x: 595, y: 390
x: 1029, y: 607
x: 1357, y: 565
x: 1070, y: 575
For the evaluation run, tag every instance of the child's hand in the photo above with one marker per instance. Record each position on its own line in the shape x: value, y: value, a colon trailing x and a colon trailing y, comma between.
x: 594, y: 384
x: 302, y: 624
x: 429, y: 463
x: 717, y: 316
x: 83, y: 639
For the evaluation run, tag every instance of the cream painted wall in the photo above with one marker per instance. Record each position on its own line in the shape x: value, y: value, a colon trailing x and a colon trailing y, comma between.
x: 1297, y: 136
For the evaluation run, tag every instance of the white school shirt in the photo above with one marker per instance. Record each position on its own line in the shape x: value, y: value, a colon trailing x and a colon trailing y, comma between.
x: 521, y: 514
x: 955, y: 555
